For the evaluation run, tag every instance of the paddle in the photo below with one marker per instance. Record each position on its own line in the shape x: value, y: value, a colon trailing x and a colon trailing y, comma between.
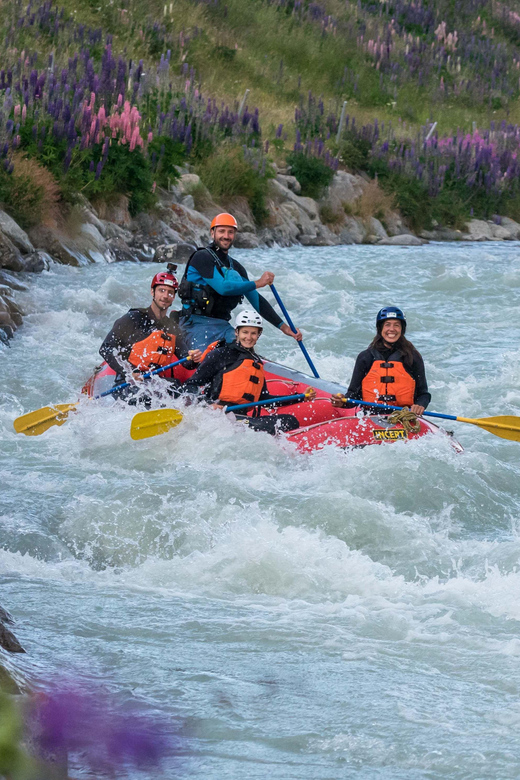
x: 291, y: 325
x: 153, y: 423
x: 507, y: 426
x: 36, y: 423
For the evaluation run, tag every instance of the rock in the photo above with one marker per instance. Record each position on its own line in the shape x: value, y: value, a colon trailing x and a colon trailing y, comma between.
x: 121, y: 252
x: 354, y: 231
x: 323, y: 237
x: 89, y: 216
x: 116, y: 211
x: 111, y: 230
x: 37, y: 262
x: 344, y: 188
x: 11, y: 281
x: 14, y: 233
x: 246, y: 240
x: 376, y: 229
x: 239, y: 207
x: 10, y: 257
x: 7, y: 328
x: 502, y: 233
x: 394, y: 225
x: 289, y: 182
x: 188, y: 201
x: 6, y: 316
x: 174, y: 253
x: 14, y: 311
x: 512, y: 226
x: 280, y: 194
x: 88, y: 246
x: 479, y: 230
x: 8, y: 640
x: 190, y: 226
x: 187, y: 181
x: 442, y: 234
x: 6, y: 617
x: 296, y: 215
x: 405, y: 240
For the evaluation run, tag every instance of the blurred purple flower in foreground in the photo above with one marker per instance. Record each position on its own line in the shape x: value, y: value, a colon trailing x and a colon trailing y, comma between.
x: 80, y: 725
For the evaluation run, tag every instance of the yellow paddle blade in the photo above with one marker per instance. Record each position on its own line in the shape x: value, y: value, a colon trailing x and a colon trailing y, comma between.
x: 507, y: 426
x: 35, y: 423
x: 147, y: 424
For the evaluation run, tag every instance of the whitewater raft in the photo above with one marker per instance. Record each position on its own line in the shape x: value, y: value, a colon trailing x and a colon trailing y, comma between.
x: 321, y: 424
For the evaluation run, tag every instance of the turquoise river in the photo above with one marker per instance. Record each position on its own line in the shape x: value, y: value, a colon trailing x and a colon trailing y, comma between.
x: 292, y: 617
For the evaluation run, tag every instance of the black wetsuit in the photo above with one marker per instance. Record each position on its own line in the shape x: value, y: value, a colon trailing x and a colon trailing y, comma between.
x: 364, y: 363
x: 132, y: 327
x: 209, y: 377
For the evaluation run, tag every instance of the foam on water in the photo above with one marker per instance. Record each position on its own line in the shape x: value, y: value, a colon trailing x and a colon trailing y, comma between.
x: 258, y: 593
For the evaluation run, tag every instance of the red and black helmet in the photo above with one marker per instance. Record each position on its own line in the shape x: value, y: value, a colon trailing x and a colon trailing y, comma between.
x: 166, y: 278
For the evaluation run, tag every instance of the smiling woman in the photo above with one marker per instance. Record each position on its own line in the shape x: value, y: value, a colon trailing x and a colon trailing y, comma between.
x: 391, y: 370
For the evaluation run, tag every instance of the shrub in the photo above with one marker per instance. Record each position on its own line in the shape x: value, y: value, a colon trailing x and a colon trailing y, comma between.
x: 199, y: 193
x: 329, y: 215
x: 312, y: 173
x: 239, y: 172
x: 30, y: 193
x: 373, y: 202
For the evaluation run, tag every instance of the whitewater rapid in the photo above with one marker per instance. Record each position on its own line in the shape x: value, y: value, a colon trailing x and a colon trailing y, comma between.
x: 293, y: 616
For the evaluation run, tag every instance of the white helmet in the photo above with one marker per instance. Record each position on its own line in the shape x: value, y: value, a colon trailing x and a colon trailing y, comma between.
x: 248, y: 317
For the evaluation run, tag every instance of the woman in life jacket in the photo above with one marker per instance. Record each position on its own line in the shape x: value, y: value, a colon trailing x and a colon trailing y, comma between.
x: 233, y: 373
x: 145, y: 339
x: 391, y: 370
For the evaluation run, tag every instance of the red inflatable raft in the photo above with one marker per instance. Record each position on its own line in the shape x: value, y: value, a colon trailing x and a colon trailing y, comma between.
x: 321, y: 424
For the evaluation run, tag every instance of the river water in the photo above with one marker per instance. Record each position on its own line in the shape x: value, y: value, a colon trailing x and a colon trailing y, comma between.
x: 290, y: 616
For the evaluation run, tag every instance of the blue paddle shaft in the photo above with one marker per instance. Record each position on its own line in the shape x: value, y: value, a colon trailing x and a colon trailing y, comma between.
x: 294, y: 398
x: 145, y: 376
x: 398, y: 408
x: 291, y: 325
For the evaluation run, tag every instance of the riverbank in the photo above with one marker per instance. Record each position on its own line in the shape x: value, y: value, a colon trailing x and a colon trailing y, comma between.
x: 353, y: 210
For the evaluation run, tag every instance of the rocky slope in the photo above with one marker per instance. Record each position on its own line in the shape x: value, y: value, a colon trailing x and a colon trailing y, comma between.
x: 111, y: 235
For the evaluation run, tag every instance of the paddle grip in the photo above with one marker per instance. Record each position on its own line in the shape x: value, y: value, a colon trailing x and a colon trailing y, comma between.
x: 291, y: 325
x: 295, y: 398
x: 145, y: 376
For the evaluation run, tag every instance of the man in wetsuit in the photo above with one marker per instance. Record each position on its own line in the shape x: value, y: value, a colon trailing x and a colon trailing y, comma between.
x: 145, y: 339
x: 214, y: 283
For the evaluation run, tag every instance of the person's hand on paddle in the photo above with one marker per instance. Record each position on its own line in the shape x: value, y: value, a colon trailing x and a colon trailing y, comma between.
x: 416, y: 409
x: 266, y: 279
x: 288, y: 332
x: 310, y: 394
x: 338, y: 400
x: 195, y: 355
x: 137, y: 376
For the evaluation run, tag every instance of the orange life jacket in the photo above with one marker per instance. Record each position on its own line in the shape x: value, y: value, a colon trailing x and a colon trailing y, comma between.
x: 157, y: 349
x: 243, y: 382
x: 388, y: 381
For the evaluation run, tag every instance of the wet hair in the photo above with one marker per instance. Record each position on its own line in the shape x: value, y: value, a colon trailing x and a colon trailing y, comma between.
x: 405, y: 347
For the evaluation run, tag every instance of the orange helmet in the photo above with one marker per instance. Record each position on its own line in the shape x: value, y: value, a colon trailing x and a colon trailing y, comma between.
x: 224, y: 220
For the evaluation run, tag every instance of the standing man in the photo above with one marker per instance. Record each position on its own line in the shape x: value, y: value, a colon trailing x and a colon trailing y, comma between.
x: 214, y: 283
x: 146, y: 339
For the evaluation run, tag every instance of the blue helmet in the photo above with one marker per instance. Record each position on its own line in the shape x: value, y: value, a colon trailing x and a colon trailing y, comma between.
x: 390, y: 313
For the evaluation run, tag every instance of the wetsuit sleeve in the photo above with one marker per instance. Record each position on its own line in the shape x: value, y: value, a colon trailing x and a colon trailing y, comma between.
x: 116, y: 347
x: 265, y: 395
x: 202, y: 269
x: 264, y: 308
x: 361, y: 368
x: 421, y: 396
x: 207, y: 370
